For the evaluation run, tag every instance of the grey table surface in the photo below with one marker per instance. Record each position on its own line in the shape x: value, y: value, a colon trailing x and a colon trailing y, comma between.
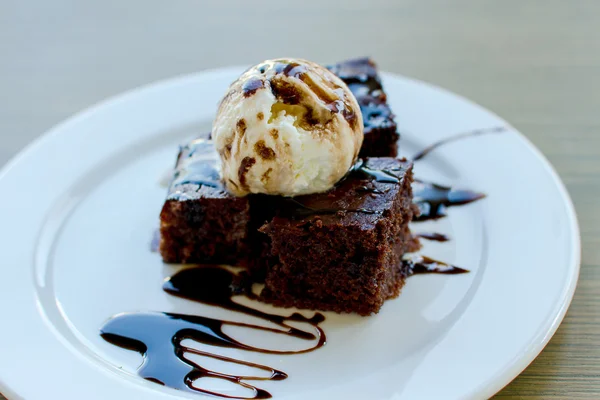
x: 535, y: 63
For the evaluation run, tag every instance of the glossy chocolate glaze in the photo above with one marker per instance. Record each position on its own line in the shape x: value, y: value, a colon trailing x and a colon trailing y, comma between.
x: 216, y: 286
x: 197, y: 165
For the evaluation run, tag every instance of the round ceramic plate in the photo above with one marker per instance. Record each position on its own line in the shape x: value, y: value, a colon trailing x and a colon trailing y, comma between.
x: 81, y: 203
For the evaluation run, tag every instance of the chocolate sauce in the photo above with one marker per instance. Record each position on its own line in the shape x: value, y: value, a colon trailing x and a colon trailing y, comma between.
x: 158, y: 336
x: 292, y: 69
x: 334, y: 99
x: 216, y: 286
x: 424, y: 265
x: 251, y: 86
x: 437, y: 237
x: 453, y: 138
x: 433, y: 199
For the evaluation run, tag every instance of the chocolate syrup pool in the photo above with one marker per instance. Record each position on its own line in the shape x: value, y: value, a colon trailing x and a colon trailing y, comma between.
x: 158, y: 336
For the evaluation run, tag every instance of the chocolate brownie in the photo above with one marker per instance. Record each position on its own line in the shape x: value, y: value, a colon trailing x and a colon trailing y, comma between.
x: 379, y: 126
x: 200, y: 222
x: 341, y: 250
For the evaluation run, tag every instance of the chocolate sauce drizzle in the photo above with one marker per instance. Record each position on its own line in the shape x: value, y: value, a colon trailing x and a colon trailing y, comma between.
x: 251, y: 86
x: 454, y: 138
x: 433, y: 199
x: 333, y: 99
x: 158, y: 336
x: 436, y: 237
x: 424, y: 265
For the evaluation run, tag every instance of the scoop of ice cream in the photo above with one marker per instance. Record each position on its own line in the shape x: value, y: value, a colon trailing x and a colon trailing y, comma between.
x: 287, y: 127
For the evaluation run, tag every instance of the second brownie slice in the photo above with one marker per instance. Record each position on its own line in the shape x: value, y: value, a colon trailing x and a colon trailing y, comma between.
x: 341, y: 250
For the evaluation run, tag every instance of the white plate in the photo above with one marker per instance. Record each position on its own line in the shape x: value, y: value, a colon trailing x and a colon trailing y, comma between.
x: 81, y: 203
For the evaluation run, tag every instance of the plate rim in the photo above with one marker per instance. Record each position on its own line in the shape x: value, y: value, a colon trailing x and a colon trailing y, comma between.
x: 536, y: 342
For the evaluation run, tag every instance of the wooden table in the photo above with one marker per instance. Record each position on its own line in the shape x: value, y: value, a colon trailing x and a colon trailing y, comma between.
x: 536, y: 63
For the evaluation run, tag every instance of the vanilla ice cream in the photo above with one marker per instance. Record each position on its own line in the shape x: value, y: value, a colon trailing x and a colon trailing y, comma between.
x: 287, y: 127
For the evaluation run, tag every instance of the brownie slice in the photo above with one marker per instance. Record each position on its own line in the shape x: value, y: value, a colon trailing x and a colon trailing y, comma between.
x: 200, y: 222
x: 379, y: 126
x: 341, y: 250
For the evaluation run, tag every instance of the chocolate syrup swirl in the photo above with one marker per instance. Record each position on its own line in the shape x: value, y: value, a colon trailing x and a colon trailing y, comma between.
x: 158, y: 336
x: 216, y: 286
x: 424, y: 265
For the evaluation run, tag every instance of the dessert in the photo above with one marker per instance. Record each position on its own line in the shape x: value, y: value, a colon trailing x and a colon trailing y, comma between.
x: 379, y: 126
x: 337, y: 245
x: 287, y: 127
x: 202, y: 223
